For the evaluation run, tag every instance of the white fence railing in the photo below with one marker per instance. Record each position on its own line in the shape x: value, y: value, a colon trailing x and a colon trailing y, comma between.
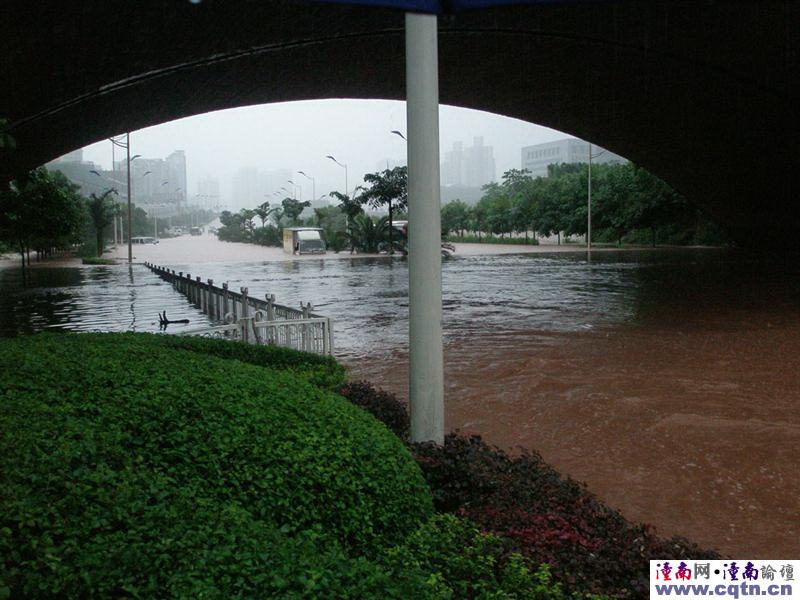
x: 250, y: 320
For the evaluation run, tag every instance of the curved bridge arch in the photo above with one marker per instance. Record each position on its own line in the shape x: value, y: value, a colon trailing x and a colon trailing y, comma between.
x: 701, y: 93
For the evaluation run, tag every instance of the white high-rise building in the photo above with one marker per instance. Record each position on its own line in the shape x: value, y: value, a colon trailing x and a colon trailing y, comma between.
x: 208, y: 193
x: 176, y: 172
x: 156, y: 180
x: 246, y: 189
x: 537, y: 158
x: 473, y: 166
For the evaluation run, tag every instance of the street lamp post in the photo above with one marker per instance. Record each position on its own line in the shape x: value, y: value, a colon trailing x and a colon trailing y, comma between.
x: 313, y: 184
x: 294, y: 189
x: 127, y: 146
x: 401, y: 136
x: 589, y: 200
x: 345, y: 172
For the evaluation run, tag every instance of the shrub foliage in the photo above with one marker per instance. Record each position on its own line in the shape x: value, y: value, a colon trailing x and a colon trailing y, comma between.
x: 322, y: 371
x: 382, y: 405
x: 128, y: 465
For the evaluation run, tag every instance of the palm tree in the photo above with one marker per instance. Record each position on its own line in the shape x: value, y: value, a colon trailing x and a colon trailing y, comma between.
x: 263, y: 212
x: 351, y: 207
x: 101, y: 212
x: 390, y: 186
x: 368, y: 234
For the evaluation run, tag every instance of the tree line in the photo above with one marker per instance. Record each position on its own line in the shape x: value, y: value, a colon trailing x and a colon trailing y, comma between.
x: 43, y: 212
x: 345, y: 225
x: 629, y: 204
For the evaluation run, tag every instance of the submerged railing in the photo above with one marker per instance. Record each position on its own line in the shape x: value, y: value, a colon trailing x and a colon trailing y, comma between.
x: 251, y: 320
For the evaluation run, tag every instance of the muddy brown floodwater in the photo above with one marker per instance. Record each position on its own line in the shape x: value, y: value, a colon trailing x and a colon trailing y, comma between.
x: 687, y: 420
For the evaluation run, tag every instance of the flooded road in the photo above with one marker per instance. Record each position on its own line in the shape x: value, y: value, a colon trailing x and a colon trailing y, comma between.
x: 669, y: 381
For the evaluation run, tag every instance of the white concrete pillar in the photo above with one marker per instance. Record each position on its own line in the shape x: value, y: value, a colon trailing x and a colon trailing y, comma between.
x: 426, y: 371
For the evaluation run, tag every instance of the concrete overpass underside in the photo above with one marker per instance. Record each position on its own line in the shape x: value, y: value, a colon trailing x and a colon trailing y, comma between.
x: 703, y: 93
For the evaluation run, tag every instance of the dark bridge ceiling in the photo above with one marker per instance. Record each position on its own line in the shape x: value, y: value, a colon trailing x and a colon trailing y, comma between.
x: 704, y: 93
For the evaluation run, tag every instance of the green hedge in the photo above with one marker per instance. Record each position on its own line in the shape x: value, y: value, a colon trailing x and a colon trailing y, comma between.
x: 458, y: 561
x: 322, y: 371
x: 131, y: 463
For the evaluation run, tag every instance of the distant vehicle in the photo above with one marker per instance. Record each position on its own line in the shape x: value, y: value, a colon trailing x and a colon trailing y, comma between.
x: 195, y: 231
x: 144, y: 240
x: 303, y: 240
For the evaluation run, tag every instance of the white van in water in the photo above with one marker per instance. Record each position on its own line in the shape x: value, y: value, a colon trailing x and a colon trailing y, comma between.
x: 303, y: 240
x: 144, y: 240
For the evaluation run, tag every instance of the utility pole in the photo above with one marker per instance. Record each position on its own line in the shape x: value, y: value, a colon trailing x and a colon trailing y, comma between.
x: 130, y: 193
x: 589, y: 215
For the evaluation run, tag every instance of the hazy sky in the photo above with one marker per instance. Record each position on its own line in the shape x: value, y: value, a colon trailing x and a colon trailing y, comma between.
x: 298, y: 135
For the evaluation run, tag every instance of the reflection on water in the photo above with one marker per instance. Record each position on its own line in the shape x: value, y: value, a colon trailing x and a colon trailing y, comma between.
x: 368, y: 297
x: 87, y: 298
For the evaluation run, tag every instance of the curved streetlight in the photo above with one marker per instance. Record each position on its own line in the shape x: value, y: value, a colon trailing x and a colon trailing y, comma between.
x: 127, y: 146
x: 397, y: 133
x: 313, y: 183
x: 589, y: 200
x: 345, y: 171
x: 294, y: 189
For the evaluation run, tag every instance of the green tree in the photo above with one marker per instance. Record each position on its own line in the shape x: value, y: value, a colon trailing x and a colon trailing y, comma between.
x: 333, y: 223
x: 41, y: 211
x: 495, y: 205
x: 368, y: 234
x: 292, y: 209
x: 263, y: 212
x: 101, y: 212
x: 455, y: 217
x: 388, y: 188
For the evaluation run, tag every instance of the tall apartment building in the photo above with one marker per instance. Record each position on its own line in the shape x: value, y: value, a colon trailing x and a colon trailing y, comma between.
x: 176, y: 174
x: 537, y: 158
x: 207, y: 193
x: 473, y: 166
x: 274, y: 180
x: 157, y: 180
x: 247, y: 192
x: 252, y: 187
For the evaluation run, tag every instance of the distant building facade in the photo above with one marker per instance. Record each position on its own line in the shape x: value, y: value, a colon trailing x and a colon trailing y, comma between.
x: 207, y: 193
x: 252, y: 187
x: 157, y: 181
x: 537, y: 158
x: 473, y: 166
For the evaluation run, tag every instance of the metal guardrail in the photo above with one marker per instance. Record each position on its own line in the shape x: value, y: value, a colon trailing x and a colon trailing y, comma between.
x: 251, y: 320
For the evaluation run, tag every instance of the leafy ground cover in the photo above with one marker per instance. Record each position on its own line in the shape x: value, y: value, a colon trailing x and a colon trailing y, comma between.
x: 124, y: 461
x: 135, y: 465
x: 533, y: 510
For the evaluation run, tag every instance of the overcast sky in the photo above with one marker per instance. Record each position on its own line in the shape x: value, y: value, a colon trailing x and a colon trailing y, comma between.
x: 298, y: 135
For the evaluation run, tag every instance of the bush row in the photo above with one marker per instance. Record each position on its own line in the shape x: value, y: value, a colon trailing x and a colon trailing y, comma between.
x: 132, y: 465
x: 535, y: 511
x: 490, y: 239
x: 322, y: 371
